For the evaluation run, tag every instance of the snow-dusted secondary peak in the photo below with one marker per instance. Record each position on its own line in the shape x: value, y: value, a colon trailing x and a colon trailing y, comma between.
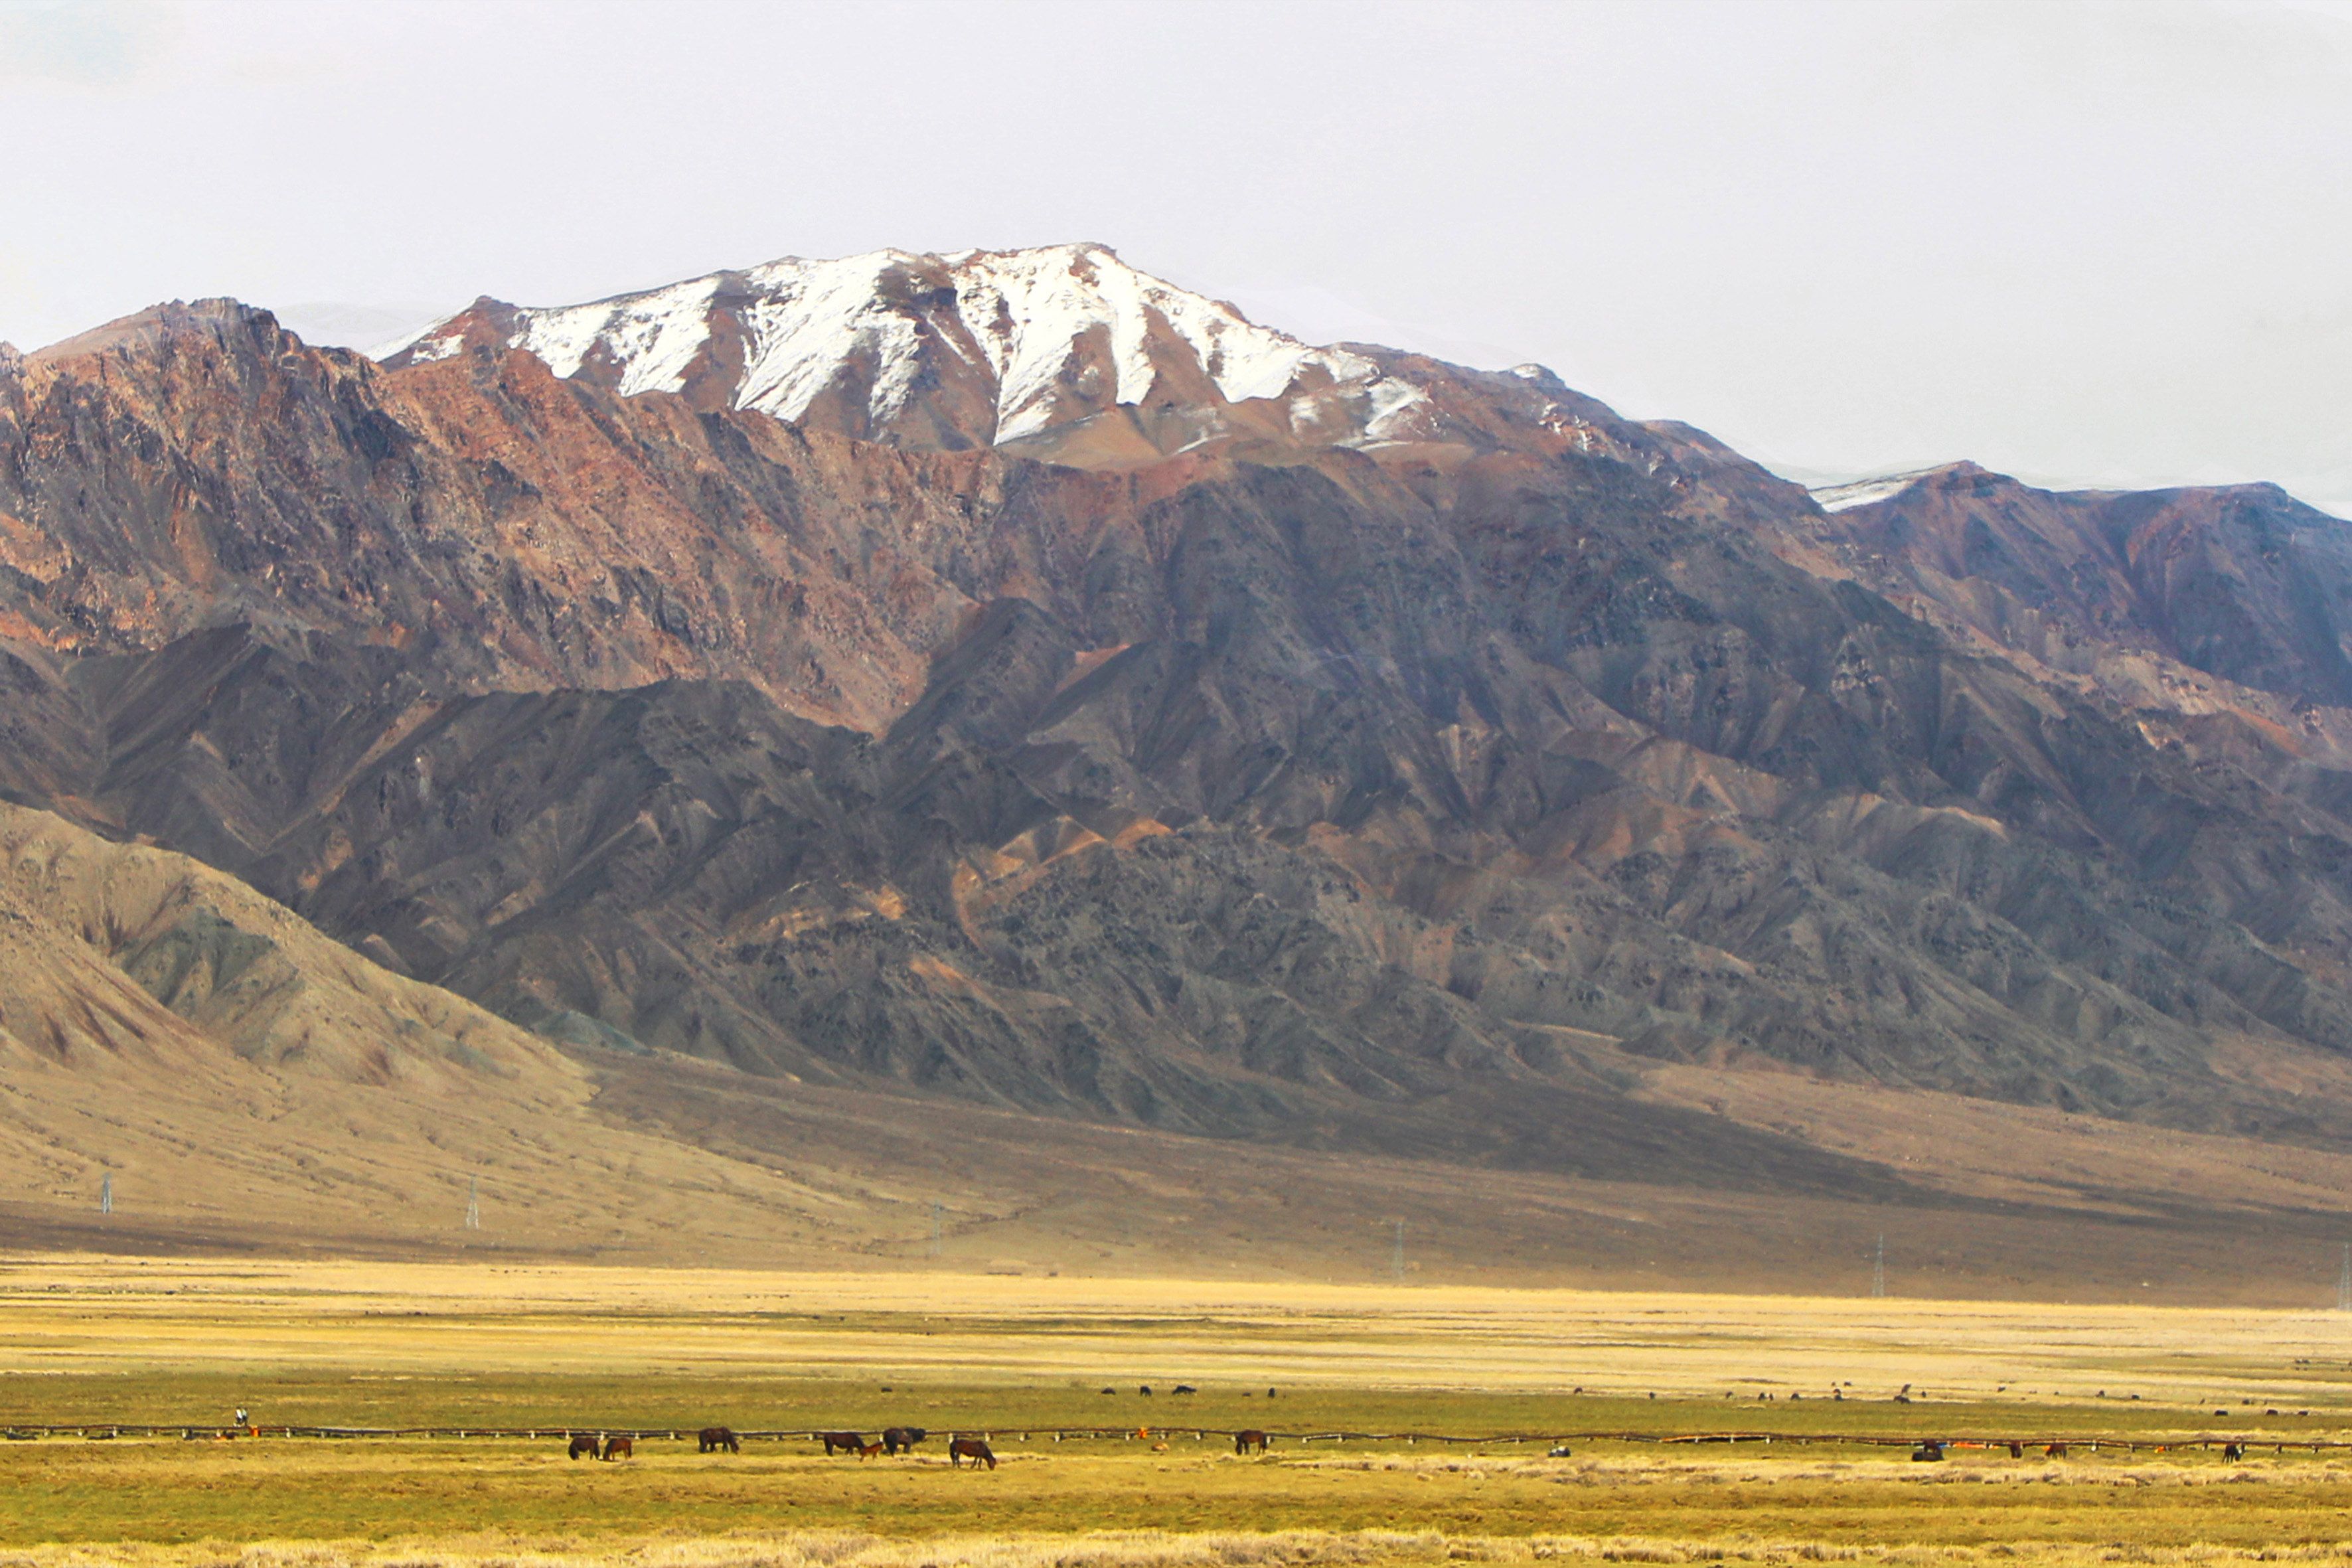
x: 1063, y: 351
x: 1863, y: 492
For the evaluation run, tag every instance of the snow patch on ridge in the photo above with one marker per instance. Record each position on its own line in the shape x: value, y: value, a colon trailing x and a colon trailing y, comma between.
x: 654, y: 337
x: 441, y: 346
x: 1058, y: 295
x: 808, y: 320
x: 424, y: 351
x: 1863, y: 492
x: 1034, y: 311
x: 1392, y: 401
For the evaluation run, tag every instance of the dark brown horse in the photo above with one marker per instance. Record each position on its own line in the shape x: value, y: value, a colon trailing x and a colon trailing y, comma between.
x: 1253, y: 1438
x: 2231, y: 1453
x: 971, y: 1448
x: 2055, y: 1451
x: 713, y: 1438
x: 582, y: 1443
x: 840, y: 1442
x: 902, y: 1439
x: 620, y: 1447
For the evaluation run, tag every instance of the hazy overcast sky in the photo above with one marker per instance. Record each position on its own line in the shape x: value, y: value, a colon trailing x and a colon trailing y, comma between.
x: 2082, y: 242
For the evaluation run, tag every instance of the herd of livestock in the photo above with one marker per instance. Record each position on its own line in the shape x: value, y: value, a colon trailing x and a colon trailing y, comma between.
x: 903, y: 1440
x: 892, y: 1441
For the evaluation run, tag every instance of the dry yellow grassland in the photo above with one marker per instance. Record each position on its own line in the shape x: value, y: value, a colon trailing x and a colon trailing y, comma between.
x: 62, y: 1314
x: 85, y: 1339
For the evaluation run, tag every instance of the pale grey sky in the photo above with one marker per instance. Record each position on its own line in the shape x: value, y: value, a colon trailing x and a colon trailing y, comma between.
x: 2082, y: 242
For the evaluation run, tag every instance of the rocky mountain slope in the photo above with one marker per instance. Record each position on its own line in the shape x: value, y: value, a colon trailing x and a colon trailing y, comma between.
x: 2166, y: 598
x: 241, y: 1082
x: 1357, y: 785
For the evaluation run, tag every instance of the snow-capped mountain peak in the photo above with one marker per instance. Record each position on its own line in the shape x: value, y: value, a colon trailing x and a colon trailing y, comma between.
x: 1063, y: 351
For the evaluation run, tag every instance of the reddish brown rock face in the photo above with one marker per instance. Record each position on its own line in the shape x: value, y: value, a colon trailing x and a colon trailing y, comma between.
x: 1386, y: 794
x: 526, y: 531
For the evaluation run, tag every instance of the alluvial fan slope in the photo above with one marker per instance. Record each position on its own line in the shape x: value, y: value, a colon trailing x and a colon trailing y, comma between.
x: 1328, y: 746
x: 176, y: 1042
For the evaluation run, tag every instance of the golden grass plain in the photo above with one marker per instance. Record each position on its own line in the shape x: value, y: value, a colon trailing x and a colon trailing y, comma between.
x: 77, y: 1313
x: 93, y: 1339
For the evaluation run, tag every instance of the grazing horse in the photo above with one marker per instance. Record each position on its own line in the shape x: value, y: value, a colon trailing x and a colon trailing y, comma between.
x: 971, y: 1448
x: 869, y: 1451
x: 840, y: 1443
x: 2232, y: 1452
x: 582, y: 1443
x: 710, y: 1439
x: 1186, y: 1388
x: 2017, y: 1450
x: 2055, y: 1451
x: 1253, y: 1438
x: 620, y: 1447
x: 902, y: 1439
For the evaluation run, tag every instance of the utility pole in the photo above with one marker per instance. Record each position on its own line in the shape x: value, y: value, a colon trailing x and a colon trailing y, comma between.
x: 2344, y: 1282
x: 106, y: 1193
x: 939, y: 1228
x: 473, y: 1203
x: 1878, y: 1267
x: 1398, y: 1262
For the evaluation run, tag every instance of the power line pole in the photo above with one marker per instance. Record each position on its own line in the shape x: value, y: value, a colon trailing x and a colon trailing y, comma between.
x: 1399, y: 1259
x: 939, y: 1228
x: 1878, y: 1267
x: 2344, y: 1282
x: 106, y: 1193
x: 473, y: 1203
